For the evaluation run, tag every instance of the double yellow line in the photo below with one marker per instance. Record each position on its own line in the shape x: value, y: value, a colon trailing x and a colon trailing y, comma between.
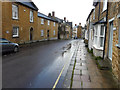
x: 58, y: 77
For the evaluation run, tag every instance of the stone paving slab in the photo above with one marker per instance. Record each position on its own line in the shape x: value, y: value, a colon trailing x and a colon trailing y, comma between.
x: 80, y: 67
x: 77, y: 72
x: 76, y: 78
x: 85, y: 72
x: 76, y: 84
x: 85, y: 78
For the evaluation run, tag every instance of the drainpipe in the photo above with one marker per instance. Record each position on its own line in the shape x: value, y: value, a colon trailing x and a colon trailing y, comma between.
x: 105, y: 31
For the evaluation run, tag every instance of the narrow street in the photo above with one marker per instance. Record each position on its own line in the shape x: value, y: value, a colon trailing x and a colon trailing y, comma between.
x: 38, y: 66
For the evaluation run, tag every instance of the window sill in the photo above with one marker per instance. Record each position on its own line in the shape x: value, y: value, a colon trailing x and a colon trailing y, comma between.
x: 15, y: 19
x: 118, y: 46
x: 104, y: 11
x: 101, y: 48
x: 15, y: 37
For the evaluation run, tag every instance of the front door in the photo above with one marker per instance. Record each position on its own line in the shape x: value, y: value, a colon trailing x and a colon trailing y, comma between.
x: 48, y: 34
x: 111, y: 41
x: 31, y: 34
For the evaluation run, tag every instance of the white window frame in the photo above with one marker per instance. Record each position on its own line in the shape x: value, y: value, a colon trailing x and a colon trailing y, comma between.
x: 54, y: 32
x: 17, y: 30
x: 31, y: 16
x: 54, y: 23
x: 14, y: 11
x: 42, y: 33
x: 104, y: 5
x: 102, y: 36
x: 97, y: 36
x: 42, y: 21
x: 48, y: 22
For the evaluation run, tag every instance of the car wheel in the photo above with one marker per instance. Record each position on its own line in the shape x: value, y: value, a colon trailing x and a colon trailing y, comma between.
x: 16, y: 49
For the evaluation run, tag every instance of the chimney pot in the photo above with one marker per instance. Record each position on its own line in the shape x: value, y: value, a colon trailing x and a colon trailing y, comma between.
x: 49, y: 15
x: 53, y: 14
x: 64, y: 18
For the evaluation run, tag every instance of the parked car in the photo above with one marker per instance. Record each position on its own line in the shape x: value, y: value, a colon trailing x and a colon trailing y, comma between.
x: 8, y: 46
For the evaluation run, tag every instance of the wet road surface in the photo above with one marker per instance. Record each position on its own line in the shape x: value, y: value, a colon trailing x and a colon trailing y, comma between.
x: 38, y: 66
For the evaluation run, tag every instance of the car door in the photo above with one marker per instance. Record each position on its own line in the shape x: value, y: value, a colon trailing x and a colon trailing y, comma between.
x: 5, y: 45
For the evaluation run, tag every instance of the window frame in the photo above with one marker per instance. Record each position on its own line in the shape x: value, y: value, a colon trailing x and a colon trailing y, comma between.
x: 42, y: 21
x: 54, y: 23
x: 54, y: 32
x: 17, y: 16
x: 48, y: 22
x: 32, y: 20
x: 42, y: 33
x: 17, y: 35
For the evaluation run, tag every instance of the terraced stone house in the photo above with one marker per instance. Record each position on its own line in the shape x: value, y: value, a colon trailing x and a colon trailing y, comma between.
x: 19, y: 21
x: 112, y: 44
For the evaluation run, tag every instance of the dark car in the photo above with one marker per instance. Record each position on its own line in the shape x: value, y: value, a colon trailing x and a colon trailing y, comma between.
x: 8, y: 46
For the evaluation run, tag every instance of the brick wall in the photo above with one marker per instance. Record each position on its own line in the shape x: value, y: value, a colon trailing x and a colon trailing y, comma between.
x: 23, y: 23
x: 112, y: 13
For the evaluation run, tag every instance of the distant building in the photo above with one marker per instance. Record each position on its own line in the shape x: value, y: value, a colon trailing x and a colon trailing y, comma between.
x: 79, y: 31
x: 74, y: 33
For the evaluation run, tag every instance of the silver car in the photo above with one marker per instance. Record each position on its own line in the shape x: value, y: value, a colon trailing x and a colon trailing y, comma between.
x: 8, y: 46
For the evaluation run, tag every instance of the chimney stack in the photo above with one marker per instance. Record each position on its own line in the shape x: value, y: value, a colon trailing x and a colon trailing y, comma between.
x: 49, y: 14
x: 53, y: 14
x: 64, y: 18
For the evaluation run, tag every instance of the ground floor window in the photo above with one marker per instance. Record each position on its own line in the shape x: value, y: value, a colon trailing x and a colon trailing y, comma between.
x: 15, y: 31
x: 99, y: 31
x: 42, y: 33
x: 54, y: 32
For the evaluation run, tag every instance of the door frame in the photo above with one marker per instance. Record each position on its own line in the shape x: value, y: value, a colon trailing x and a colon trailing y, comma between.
x: 31, y: 33
x: 48, y: 34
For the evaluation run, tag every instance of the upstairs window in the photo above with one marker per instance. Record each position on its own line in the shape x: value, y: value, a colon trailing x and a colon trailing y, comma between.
x: 54, y: 23
x: 48, y: 22
x: 104, y: 5
x: 42, y: 21
x: 31, y: 16
x: 15, y: 31
x: 14, y: 11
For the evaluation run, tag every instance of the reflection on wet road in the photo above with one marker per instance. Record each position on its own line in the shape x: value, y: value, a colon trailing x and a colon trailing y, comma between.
x: 38, y: 67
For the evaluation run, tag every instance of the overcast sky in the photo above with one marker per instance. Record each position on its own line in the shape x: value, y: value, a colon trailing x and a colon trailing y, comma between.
x: 74, y: 10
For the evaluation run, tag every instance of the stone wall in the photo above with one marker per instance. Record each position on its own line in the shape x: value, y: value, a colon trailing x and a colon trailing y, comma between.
x: 113, y: 8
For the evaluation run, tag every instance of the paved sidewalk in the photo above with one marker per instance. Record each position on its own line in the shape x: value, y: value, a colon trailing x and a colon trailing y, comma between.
x: 83, y: 71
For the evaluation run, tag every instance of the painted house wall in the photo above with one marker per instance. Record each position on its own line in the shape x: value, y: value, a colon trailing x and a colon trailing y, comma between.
x: 113, y: 11
x: 23, y: 23
x: 98, y: 51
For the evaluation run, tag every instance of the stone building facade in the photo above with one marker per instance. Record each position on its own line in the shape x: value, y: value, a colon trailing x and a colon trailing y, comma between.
x: 47, y: 28
x: 19, y: 21
x: 112, y: 45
